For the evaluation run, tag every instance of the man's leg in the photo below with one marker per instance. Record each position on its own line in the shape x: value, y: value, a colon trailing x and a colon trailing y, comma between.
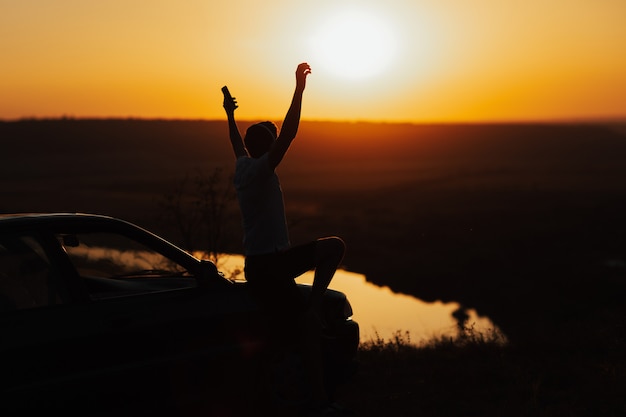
x: 329, y: 253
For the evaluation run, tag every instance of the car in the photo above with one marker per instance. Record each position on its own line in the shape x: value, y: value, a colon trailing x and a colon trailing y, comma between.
x: 99, y: 314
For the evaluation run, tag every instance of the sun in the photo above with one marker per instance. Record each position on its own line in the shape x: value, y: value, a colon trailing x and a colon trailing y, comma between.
x: 353, y: 45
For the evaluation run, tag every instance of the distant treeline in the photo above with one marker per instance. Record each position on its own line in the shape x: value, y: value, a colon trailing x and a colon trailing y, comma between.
x: 323, y: 140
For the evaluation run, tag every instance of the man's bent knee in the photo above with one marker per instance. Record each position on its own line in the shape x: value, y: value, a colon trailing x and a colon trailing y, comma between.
x: 333, y: 245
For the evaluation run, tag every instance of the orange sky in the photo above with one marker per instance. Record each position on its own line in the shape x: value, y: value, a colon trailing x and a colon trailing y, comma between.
x: 392, y: 60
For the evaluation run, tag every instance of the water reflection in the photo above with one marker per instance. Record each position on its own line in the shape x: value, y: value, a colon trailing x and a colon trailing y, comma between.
x: 382, y: 313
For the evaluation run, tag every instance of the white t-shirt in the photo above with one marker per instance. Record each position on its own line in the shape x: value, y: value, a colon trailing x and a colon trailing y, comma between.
x: 262, y: 207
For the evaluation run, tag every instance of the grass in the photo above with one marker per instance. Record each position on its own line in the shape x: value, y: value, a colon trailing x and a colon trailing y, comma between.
x: 478, y: 374
x: 401, y: 341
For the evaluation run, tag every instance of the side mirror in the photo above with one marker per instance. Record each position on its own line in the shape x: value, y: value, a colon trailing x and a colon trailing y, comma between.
x: 209, y: 275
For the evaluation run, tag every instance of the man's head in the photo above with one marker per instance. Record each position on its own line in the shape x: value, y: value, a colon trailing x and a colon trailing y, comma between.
x: 259, y: 138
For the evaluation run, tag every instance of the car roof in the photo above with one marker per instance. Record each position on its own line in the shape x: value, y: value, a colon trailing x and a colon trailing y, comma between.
x: 48, y: 215
x: 51, y: 216
x: 11, y: 222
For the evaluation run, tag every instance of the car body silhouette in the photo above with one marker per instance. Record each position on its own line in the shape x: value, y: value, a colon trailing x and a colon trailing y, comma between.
x: 97, y: 313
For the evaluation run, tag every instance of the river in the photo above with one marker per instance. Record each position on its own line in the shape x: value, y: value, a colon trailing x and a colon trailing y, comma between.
x: 385, y: 315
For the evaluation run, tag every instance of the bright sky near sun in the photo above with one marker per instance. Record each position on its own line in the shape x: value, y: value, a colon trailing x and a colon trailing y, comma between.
x: 383, y: 60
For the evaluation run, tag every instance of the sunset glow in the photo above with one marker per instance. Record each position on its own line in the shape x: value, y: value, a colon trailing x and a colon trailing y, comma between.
x: 393, y: 60
x: 354, y: 45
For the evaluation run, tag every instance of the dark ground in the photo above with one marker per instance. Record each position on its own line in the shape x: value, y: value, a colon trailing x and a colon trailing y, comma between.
x: 523, y: 223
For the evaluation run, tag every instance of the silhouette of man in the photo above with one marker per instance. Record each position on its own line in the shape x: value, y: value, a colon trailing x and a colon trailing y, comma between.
x: 271, y: 262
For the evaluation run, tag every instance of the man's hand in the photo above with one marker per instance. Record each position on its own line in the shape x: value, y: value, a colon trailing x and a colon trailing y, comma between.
x: 302, y: 71
x: 230, y: 104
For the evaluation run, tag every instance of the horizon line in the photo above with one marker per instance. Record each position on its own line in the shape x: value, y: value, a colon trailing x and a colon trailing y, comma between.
x: 570, y: 120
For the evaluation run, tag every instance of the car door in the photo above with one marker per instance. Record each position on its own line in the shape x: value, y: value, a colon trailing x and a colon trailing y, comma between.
x: 44, y: 328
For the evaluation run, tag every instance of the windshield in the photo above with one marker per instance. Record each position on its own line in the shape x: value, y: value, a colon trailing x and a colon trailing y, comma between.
x: 111, y: 255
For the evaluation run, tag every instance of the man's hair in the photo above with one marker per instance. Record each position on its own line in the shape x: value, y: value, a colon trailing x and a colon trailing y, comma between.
x: 259, y: 138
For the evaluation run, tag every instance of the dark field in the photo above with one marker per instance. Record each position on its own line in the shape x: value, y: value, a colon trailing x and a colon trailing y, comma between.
x: 524, y: 223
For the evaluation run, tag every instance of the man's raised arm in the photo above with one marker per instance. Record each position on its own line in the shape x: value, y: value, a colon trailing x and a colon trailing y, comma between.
x: 230, y: 104
x: 292, y: 119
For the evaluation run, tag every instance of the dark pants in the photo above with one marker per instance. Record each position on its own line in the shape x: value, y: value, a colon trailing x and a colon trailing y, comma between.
x: 272, y: 280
